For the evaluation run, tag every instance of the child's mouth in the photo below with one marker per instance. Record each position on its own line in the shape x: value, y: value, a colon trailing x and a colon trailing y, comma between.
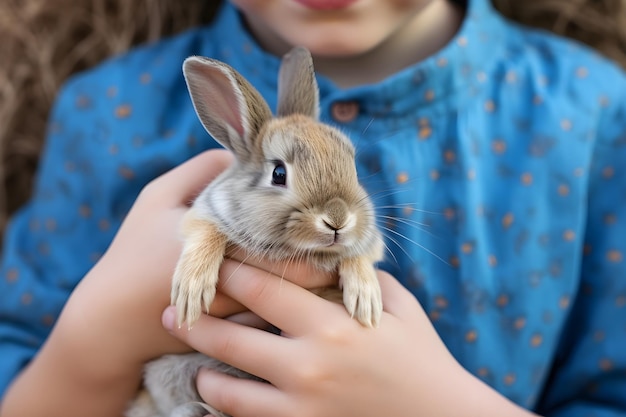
x: 326, y: 4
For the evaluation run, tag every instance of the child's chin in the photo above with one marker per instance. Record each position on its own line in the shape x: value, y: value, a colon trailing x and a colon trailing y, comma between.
x: 331, y: 48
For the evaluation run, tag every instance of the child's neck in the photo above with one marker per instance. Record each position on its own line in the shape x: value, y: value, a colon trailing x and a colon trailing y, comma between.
x: 427, y: 33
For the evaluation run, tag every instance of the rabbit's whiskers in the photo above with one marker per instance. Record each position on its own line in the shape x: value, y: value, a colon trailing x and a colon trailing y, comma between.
x: 391, y: 235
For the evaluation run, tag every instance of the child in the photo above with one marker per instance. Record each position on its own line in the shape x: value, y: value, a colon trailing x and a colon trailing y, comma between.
x: 493, y: 152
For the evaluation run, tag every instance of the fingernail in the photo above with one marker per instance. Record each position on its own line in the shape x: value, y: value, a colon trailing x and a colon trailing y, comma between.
x: 169, y: 318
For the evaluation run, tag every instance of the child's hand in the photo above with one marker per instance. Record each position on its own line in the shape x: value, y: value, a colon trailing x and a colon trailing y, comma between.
x: 122, y: 296
x: 129, y: 288
x: 327, y: 364
x: 111, y: 324
x: 92, y: 362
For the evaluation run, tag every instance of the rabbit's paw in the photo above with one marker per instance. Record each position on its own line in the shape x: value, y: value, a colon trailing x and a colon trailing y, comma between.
x: 197, y: 272
x: 191, y: 294
x: 361, y: 291
x: 194, y: 286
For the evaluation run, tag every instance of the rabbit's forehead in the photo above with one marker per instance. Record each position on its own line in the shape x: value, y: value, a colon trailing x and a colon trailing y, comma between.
x: 298, y: 140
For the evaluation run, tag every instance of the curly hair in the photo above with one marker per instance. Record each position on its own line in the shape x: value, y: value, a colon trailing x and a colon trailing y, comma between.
x: 45, y: 41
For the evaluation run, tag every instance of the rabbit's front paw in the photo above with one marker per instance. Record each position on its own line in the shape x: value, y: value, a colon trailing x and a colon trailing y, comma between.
x: 197, y: 272
x: 361, y: 292
x: 191, y: 294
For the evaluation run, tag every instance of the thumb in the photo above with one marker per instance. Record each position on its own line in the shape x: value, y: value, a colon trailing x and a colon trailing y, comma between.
x: 184, y: 183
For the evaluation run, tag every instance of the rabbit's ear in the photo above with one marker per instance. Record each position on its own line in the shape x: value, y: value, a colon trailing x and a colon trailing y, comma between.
x: 297, y: 87
x: 228, y: 106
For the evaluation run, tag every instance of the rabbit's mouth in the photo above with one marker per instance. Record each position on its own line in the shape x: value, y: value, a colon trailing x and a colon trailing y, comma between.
x: 333, y: 241
x: 322, y: 243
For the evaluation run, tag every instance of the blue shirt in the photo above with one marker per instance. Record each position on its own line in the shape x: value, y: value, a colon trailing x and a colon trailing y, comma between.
x: 497, y: 165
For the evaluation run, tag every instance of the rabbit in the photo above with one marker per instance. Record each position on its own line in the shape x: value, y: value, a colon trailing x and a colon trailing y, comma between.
x: 292, y: 193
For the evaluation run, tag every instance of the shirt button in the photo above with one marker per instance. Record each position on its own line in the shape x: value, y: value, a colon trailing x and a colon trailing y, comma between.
x: 345, y: 111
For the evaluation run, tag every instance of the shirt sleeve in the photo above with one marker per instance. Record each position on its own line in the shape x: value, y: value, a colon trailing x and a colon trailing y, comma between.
x: 589, y: 373
x: 54, y: 239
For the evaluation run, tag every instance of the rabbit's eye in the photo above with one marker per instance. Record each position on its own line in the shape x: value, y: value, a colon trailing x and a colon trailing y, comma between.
x: 279, y: 176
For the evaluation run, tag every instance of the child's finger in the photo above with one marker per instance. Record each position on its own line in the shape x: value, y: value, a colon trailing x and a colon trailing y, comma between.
x: 246, y: 348
x: 240, y: 397
x: 270, y: 296
x: 299, y: 272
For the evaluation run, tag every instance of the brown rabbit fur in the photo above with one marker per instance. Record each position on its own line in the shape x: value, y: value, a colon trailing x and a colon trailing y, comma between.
x: 292, y: 194
x: 318, y: 211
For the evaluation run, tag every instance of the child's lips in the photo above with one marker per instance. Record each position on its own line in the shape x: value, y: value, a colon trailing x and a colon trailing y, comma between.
x: 326, y: 4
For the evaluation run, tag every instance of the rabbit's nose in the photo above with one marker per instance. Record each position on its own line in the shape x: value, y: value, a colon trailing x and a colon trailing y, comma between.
x: 336, y: 215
